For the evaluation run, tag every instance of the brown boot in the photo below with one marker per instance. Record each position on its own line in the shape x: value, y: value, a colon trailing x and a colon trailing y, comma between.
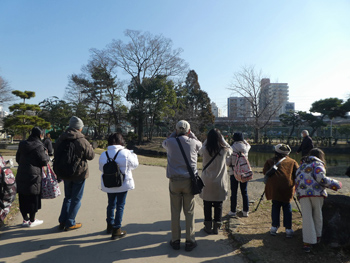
x: 117, y: 233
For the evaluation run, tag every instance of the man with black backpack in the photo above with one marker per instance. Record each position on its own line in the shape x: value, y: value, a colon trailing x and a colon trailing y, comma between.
x: 72, y: 151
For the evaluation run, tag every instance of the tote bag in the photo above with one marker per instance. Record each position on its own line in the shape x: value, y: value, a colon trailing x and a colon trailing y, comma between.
x: 49, y: 185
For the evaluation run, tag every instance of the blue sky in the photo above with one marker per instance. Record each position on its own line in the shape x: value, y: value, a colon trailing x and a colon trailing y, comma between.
x: 304, y: 43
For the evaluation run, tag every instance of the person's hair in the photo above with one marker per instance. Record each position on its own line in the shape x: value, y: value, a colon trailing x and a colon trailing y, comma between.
x: 48, y: 135
x: 116, y: 139
x: 214, y: 142
x: 306, y: 132
x: 318, y: 153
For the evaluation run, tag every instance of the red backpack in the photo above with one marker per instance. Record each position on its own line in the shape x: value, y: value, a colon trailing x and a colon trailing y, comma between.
x: 241, y: 167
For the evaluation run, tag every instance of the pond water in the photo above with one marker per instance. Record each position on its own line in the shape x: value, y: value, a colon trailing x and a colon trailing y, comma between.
x: 259, y: 158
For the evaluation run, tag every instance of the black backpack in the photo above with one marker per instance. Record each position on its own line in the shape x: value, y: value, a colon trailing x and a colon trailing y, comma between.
x: 66, y: 162
x: 112, y: 176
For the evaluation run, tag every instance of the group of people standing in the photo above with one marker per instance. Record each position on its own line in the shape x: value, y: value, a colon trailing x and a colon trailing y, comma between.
x: 283, y: 178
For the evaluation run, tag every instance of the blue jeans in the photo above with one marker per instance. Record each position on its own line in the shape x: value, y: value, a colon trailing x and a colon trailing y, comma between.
x: 73, y: 191
x: 287, y: 214
x: 244, y: 192
x: 116, y: 201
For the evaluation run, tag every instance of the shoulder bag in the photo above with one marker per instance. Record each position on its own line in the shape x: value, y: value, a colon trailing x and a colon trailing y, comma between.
x: 197, y: 183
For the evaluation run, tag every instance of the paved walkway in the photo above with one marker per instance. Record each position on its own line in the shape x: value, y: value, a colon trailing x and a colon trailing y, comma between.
x: 146, y: 219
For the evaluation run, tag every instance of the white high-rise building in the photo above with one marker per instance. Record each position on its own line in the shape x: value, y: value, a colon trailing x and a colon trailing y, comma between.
x: 215, y: 110
x: 274, y: 95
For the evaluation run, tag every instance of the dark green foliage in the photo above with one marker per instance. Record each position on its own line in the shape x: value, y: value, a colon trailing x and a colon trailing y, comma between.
x: 24, y: 116
x: 193, y: 105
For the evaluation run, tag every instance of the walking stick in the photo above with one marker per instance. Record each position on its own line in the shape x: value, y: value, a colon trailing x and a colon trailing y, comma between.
x: 296, y: 202
x: 261, y: 198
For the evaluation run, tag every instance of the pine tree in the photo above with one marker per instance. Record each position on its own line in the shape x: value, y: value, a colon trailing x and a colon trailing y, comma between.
x: 24, y: 116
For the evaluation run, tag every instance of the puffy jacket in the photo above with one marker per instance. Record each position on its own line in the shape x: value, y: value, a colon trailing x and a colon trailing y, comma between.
x: 127, y: 161
x: 31, y: 157
x: 83, y: 150
x: 311, y: 179
x: 238, y: 147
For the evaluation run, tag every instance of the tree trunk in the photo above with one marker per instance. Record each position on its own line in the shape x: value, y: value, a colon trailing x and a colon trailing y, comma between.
x: 256, y: 135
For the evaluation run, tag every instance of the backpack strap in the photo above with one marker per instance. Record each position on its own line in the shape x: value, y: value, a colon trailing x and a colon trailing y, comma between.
x: 115, y: 156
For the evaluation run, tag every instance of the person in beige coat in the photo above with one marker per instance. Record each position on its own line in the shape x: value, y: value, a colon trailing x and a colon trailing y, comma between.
x: 215, y: 151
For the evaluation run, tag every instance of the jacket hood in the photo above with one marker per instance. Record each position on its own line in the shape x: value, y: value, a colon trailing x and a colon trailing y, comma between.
x: 239, y: 146
x: 31, y: 144
x: 72, y: 134
x: 311, y: 159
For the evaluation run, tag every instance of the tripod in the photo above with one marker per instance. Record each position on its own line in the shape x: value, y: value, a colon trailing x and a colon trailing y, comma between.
x: 262, y: 197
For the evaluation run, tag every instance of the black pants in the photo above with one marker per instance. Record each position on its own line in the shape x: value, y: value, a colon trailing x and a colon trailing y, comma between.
x: 208, y: 210
x: 29, y: 205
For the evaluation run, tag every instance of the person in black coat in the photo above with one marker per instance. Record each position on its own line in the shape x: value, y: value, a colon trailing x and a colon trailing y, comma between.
x: 306, y: 145
x: 31, y: 156
x: 48, y: 144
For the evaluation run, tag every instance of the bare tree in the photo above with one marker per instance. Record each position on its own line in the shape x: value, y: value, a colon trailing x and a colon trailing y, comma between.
x: 263, y: 106
x: 5, y: 91
x: 145, y: 56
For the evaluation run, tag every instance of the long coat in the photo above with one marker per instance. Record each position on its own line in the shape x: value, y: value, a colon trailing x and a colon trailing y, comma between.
x: 31, y: 157
x: 215, y: 176
x: 280, y: 186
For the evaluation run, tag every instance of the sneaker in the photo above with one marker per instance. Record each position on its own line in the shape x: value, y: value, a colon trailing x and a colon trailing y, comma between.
x: 231, y: 213
x: 307, y: 247
x: 36, y: 223
x: 175, y: 244
x: 25, y: 223
x: 76, y: 226
x: 245, y: 214
x: 289, y: 233
x: 190, y: 245
x: 273, y: 230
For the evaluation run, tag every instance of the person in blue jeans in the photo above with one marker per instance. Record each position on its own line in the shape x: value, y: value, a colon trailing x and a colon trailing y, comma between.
x: 239, y: 146
x: 280, y: 172
x: 127, y: 161
x: 74, y: 185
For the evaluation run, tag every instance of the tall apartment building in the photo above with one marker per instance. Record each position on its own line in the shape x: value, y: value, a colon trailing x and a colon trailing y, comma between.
x: 273, y: 95
x: 215, y: 110
x: 238, y: 108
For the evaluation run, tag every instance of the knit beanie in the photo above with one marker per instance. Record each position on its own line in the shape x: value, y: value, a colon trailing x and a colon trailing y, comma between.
x: 76, y: 123
x: 283, y: 149
x: 238, y: 137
